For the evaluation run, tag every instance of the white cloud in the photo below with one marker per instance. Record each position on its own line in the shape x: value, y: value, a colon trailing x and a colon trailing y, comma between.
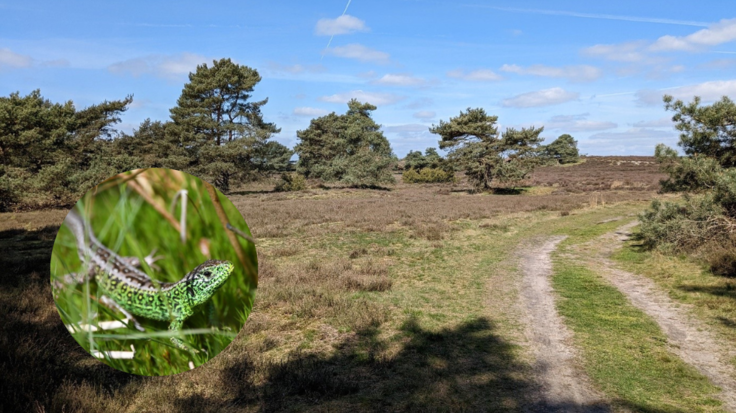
x: 359, y: 52
x: 172, y: 67
x: 364, y: 97
x: 720, y: 64
x: 425, y: 114
x: 400, y: 80
x: 635, y: 141
x: 420, y: 103
x: 368, y: 75
x: 344, y: 24
x: 55, y: 63
x: 406, y: 128
x: 480, y: 75
x: 296, y: 68
x: 545, y: 97
x: 622, y: 52
x: 707, y: 91
x: 307, y: 111
x: 656, y: 123
x: 577, y: 123
x: 640, y: 51
x: 717, y: 33
x: 581, y: 73
x: 9, y: 58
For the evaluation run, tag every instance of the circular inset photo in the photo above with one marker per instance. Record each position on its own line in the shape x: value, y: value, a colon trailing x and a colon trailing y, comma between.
x: 154, y: 272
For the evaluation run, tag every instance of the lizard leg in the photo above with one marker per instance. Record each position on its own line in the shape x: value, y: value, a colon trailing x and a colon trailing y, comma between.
x: 71, y: 278
x: 176, y: 326
x: 110, y: 303
x: 149, y: 259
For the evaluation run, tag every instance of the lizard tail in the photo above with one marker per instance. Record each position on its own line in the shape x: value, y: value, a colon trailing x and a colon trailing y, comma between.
x: 76, y: 224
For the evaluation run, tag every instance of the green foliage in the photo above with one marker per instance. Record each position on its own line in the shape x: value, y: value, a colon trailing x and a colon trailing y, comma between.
x: 564, y: 150
x: 430, y: 159
x: 51, y: 153
x: 427, y: 175
x: 347, y: 148
x: 682, y: 227
x: 291, y: 182
x: 704, y: 223
x: 414, y: 160
x: 272, y: 157
x: 709, y: 131
x: 476, y: 146
x: 220, y: 129
x: 156, y: 147
x: 696, y: 173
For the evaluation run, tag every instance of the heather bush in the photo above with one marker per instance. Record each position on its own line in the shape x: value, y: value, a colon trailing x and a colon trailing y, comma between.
x: 427, y: 175
x: 291, y: 182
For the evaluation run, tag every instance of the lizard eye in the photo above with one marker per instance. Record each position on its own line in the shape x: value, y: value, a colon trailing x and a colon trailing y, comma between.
x: 207, y: 273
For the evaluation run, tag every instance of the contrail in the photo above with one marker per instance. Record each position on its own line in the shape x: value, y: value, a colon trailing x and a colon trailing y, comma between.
x: 596, y: 16
x: 328, y: 43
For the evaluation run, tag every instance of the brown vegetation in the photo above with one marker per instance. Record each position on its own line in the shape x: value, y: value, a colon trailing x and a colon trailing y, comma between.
x: 602, y: 173
x: 315, y: 340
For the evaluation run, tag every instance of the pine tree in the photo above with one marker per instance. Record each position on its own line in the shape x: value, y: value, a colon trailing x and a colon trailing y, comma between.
x: 347, y: 148
x: 217, y: 124
x: 476, y: 147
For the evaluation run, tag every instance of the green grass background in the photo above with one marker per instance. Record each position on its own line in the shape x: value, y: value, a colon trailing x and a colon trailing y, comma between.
x: 127, y: 224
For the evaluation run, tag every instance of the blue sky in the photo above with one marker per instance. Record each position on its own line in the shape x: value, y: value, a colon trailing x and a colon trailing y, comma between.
x: 596, y: 70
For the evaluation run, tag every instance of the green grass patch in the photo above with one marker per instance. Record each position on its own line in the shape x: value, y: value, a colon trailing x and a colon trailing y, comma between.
x: 712, y: 297
x: 624, y: 351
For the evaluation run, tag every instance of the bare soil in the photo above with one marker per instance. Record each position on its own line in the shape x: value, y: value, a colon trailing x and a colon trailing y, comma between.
x: 688, y: 338
x: 562, y: 385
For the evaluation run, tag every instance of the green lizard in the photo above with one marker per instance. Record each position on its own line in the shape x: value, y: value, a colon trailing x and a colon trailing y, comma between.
x: 132, y: 290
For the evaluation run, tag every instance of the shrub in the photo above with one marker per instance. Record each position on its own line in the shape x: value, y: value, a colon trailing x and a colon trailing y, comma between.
x: 291, y: 182
x: 704, y: 224
x: 427, y: 175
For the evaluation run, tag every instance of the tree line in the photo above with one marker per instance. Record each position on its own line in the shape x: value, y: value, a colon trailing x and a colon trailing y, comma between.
x: 52, y: 152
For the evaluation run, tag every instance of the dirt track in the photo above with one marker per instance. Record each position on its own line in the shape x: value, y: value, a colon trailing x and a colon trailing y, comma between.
x: 563, y: 387
x: 688, y: 338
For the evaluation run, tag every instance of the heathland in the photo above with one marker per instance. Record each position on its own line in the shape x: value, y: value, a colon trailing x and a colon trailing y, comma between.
x: 419, y: 297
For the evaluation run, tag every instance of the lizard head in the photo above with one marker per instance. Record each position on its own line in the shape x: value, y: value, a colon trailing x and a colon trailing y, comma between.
x: 204, y: 280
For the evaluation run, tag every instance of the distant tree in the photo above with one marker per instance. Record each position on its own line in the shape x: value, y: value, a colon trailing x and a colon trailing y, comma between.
x: 51, y: 153
x: 476, y: 147
x: 564, y: 150
x: 347, y: 148
x: 415, y: 160
x: 217, y: 124
x: 434, y: 160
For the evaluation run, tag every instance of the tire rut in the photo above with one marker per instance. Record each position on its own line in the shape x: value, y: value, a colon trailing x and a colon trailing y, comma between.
x: 561, y: 385
x: 688, y: 338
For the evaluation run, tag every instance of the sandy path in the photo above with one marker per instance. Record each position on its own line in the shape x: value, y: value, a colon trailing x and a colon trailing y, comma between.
x: 563, y: 387
x: 688, y: 337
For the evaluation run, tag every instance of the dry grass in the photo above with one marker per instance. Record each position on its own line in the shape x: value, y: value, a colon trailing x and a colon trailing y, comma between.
x: 424, y: 208
x: 602, y: 173
x: 368, y: 300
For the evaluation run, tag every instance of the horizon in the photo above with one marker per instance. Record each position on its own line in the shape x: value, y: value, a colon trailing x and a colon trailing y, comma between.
x: 595, y: 71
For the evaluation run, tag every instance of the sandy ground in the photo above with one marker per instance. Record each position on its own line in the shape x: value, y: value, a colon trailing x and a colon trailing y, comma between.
x: 688, y: 338
x: 562, y: 385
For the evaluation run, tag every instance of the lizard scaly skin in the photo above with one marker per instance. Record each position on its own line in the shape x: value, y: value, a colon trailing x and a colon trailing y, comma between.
x: 137, y: 293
